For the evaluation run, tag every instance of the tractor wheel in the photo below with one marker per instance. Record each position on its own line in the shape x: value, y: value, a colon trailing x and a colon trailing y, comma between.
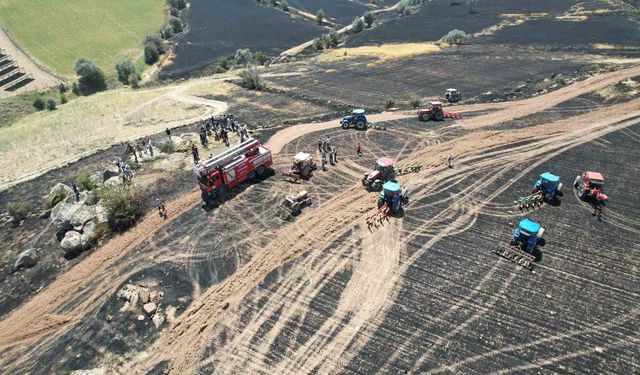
x: 439, y: 116
x: 361, y: 125
x: 581, y: 192
x: 365, y: 182
x: 424, y: 117
x: 306, y: 171
x: 447, y: 96
x: 295, y: 208
x: 540, y: 233
x: 253, y: 176
x: 345, y: 124
x: 376, y: 185
x: 206, y: 199
x: 261, y: 170
x: 576, y: 182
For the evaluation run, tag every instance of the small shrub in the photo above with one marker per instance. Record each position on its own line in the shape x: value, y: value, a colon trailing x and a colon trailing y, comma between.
x: 414, y: 100
x: 178, y: 4
x: 91, y: 77
x: 51, y: 104
x: 284, y: 5
x: 124, y: 69
x: 134, y: 80
x: 133, y: 164
x: 174, y: 11
x: 219, y: 69
x: 167, y: 147
x: 333, y: 38
x: 251, y: 78
x: 39, y: 103
x: 357, y: 25
x: 320, y: 16
x: 390, y: 103
x: 274, y: 3
x: 62, y: 88
x: 317, y: 44
x: 51, y: 201
x: 75, y: 89
x: 84, y: 182
x: 151, y: 54
x: 166, y: 32
x: 369, y: 18
x: 18, y: 211
x: 243, y: 57
x: 176, y: 24
x: 91, y: 199
x: 260, y: 58
x: 456, y: 36
x: 63, y: 99
x: 124, y: 206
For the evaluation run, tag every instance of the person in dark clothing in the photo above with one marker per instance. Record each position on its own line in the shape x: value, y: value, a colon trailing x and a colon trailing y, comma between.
x: 359, y: 149
x: 75, y: 190
x: 196, y: 155
x: 162, y: 210
x: 320, y: 143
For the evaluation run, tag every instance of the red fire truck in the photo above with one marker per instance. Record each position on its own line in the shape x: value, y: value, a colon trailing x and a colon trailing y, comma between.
x: 216, y: 175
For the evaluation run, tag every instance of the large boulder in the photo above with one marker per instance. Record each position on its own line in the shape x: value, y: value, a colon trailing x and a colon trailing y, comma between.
x: 60, y: 190
x: 76, y: 213
x: 102, y: 215
x: 113, y: 181
x: 178, y: 143
x: 27, y: 258
x: 89, y: 234
x: 109, y: 172
x: 72, y: 242
x: 97, y: 178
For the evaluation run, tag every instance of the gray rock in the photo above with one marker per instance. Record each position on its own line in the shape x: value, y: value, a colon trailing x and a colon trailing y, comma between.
x: 27, y: 258
x: 60, y: 188
x: 102, y: 215
x: 97, y: 178
x: 150, y: 308
x: 113, y: 181
x: 76, y: 213
x: 89, y: 234
x: 110, y: 172
x: 72, y: 242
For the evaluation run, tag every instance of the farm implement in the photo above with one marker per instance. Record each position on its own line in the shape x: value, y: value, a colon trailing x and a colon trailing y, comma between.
x: 392, y: 198
x: 523, y: 244
x: 530, y: 201
x: 408, y: 168
x: 292, y: 205
x: 515, y: 255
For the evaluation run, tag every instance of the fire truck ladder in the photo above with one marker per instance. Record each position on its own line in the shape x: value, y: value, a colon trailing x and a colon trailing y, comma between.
x: 517, y: 256
x: 223, y: 158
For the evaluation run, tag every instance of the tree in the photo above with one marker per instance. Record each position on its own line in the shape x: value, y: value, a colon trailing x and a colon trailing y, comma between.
x: 156, y: 40
x: 456, y: 36
x: 284, y: 5
x: 178, y: 4
x: 320, y: 16
x: 134, y: 79
x: 51, y: 104
x: 63, y: 99
x: 124, y: 69
x: 91, y: 77
x: 251, y: 78
x: 174, y: 11
x: 151, y: 54
x: 243, y: 56
x: 176, y: 24
x: 39, y: 103
x: 357, y: 25
x: 62, y: 88
x: 369, y: 18
x: 333, y: 38
x: 260, y: 57
x: 123, y: 205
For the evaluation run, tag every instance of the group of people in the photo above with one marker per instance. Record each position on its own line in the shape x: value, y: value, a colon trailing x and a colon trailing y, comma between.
x: 125, y: 170
x: 220, y: 128
x: 327, y: 152
x: 141, y: 146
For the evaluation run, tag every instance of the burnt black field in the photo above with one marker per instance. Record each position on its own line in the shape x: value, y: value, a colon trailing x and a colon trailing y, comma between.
x: 342, y: 12
x: 217, y: 28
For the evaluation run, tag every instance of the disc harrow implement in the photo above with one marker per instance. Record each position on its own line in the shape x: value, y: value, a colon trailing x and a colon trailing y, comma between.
x: 378, y: 216
x: 530, y: 201
x: 408, y: 168
x: 517, y: 256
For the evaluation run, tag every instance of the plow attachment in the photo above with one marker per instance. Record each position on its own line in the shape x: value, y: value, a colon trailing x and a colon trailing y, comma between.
x: 291, y: 177
x: 409, y: 168
x: 452, y: 115
x: 530, y: 201
x: 380, y: 215
x: 515, y: 255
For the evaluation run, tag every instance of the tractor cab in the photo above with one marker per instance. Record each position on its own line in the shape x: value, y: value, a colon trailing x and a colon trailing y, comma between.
x: 527, y: 234
x: 591, y: 185
x: 452, y: 95
x: 548, y: 184
x: 393, y: 195
x: 357, y: 118
x: 435, y: 105
x: 302, y: 159
x: 383, y: 172
x: 433, y: 111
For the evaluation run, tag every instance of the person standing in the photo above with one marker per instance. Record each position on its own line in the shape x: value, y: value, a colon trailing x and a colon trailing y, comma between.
x: 450, y: 161
x: 327, y: 144
x: 331, y: 159
x: 75, y: 190
x: 150, y: 146
x: 324, y: 161
x: 320, y: 144
x: 358, y: 149
x: 194, y: 152
x: 162, y: 210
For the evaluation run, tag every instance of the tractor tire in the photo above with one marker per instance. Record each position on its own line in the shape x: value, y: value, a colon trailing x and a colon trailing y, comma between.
x: 576, y: 182
x: 261, y: 170
x: 206, y: 199
x: 361, y: 125
x: 253, y: 176
x: 345, y: 125
x: 376, y: 185
x: 447, y: 96
x: 439, y: 116
x: 365, y: 182
x: 424, y: 117
x: 540, y: 233
x: 306, y: 172
x: 295, y: 208
x: 581, y: 192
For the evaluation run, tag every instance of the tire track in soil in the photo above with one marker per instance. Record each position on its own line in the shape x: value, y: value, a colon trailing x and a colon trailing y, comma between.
x: 45, y: 303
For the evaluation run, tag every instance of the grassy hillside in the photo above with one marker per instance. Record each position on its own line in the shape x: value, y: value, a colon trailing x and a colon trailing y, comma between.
x: 56, y: 33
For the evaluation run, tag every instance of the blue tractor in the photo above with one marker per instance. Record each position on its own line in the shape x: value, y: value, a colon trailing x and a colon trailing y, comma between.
x: 394, y: 196
x: 357, y: 118
x: 548, y: 185
x: 527, y: 235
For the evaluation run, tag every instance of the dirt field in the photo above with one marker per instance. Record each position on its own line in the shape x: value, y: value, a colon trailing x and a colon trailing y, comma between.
x: 426, y: 285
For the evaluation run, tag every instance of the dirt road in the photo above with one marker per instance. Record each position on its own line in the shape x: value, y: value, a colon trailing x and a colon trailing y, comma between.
x: 191, y: 334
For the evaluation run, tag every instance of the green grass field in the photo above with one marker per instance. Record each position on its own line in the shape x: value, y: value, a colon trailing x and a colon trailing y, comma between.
x: 57, y: 32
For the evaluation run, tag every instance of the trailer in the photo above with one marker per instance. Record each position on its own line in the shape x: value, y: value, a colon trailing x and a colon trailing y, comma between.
x: 248, y: 160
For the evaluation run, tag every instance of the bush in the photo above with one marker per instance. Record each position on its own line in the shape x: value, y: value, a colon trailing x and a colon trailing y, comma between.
x: 369, y: 18
x: 156, y: 40
x: 320, y: 16
x: 174, y: 11
x: 151, y: 54
x: 167, y: 147
x: 75, y: 89
x: 124, y: 206
x: 219, y: 69
x: 124, y: 69
x: 50, y: 202
x: 390, y: 103
x: 92, y: 198
x: 134, y: 80
x: 63, y: 99
x: 62, y: 88
x: 243, y: 57
x: 84, y: 182
x: 18, y: 211
x: 284, y: 5
x: 251, y: 78
x: 91, y: 77
x: 176, y: 24
x: 260, y: 58
x: 132, y: 164
x: 51, y: 104
x: 317, y: 44
x: 414, y: 100
x: 357, y: 25
x: 178, y: 4
x: 333, y: 38
x: 39, y: 103
x: 456, y: 36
